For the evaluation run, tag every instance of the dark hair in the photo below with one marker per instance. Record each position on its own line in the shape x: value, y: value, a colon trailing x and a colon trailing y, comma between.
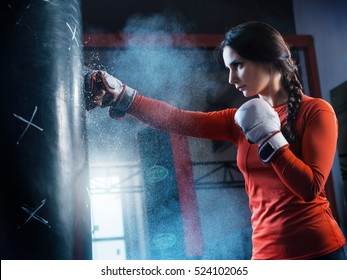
x: 260, y: 42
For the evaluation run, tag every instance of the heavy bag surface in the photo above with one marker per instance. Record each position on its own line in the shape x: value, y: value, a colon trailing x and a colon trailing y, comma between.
x: 45, y: 204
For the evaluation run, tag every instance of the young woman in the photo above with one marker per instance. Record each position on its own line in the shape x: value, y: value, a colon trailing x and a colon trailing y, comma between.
x: 286, y: 141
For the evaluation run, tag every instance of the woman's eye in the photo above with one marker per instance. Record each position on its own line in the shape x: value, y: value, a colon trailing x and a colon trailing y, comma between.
x: 236, y: 65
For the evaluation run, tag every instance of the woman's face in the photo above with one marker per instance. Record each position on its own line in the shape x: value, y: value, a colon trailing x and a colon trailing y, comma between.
x: 249, y: 77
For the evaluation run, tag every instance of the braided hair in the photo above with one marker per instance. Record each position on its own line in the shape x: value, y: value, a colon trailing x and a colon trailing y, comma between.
x: 260, y: 42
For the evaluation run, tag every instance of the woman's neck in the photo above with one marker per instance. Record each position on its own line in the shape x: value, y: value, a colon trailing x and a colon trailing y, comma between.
x: 276, y: 98
x: 275, y: 94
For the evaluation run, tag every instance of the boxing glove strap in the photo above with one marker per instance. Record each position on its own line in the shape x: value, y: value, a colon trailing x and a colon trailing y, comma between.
x: 269, y: 148
x: 123, y: 105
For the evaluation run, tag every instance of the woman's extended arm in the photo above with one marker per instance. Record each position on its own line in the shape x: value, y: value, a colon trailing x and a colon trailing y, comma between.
x: 218, y: 125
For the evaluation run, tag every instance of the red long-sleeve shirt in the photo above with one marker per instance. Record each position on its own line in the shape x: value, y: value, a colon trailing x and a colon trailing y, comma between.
x: 291, y: 218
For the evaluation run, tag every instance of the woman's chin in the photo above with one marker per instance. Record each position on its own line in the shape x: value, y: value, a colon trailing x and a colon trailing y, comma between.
x: 248, y: 94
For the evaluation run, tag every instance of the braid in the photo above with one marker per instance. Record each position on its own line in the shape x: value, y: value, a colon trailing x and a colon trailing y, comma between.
x: 294, y: 87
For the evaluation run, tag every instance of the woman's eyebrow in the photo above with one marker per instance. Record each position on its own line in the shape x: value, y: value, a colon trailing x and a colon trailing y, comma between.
x: 233, y: 63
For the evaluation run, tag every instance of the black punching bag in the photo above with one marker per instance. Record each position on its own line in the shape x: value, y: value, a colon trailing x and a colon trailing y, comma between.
x: 45, y: 210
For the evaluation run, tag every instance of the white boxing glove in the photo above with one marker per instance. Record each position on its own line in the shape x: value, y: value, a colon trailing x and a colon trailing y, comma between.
x: 261, y: 125
x: 103, y: 90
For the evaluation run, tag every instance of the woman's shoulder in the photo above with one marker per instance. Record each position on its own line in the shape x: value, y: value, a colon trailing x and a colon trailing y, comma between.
x: 315, y: 103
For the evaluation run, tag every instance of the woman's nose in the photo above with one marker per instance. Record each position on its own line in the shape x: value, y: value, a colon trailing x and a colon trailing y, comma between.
x: 232, y: 77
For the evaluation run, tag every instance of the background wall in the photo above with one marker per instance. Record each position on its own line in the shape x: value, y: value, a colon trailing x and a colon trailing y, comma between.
x: 204, y: 16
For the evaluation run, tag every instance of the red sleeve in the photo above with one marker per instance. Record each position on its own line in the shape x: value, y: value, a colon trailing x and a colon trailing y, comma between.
x: 218, y: 125
x: 306, y: 176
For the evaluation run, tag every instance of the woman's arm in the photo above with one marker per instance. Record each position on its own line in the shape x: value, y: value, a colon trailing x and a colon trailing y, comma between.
x: 104, y: 90
x: 306, y: 177
x: 218, y: 125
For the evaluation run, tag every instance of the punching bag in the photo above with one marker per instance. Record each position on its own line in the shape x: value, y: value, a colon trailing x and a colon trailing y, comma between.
x: 173, y: 221
x: 164, y: 219
x: 45, y: 211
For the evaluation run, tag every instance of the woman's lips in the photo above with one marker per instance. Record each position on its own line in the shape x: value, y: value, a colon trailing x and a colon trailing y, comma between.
x: 241, y: 88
